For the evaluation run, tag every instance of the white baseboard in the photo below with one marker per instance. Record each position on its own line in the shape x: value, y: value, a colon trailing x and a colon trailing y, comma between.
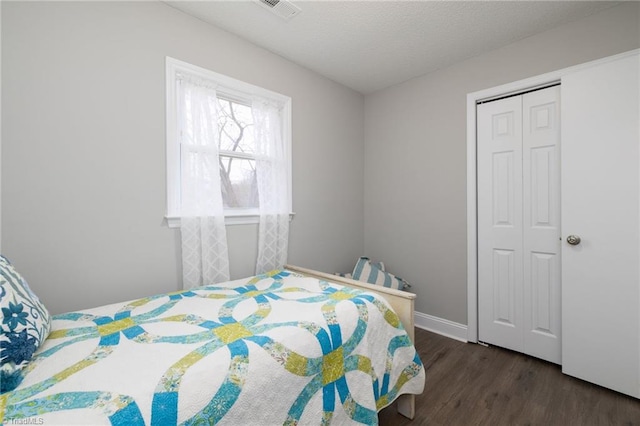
x: 441, y: 326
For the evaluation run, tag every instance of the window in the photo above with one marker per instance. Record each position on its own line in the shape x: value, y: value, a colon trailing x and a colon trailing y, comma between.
x: 236, y: 148
x: 237, y: 159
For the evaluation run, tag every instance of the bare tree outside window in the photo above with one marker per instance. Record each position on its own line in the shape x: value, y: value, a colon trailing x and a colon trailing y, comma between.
x: 237, y: 155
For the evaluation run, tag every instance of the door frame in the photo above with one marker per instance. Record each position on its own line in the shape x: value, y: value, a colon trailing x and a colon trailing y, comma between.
x: 473, y: 98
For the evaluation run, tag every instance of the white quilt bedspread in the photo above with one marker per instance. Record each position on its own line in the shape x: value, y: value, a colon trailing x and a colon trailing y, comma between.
x: 274, y: 349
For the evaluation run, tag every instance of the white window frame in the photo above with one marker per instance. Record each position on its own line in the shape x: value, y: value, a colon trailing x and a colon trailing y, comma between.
x: 228, y: 88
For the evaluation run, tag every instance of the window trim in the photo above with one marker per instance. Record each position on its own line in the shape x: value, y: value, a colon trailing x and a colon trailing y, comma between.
x: 231, y: 89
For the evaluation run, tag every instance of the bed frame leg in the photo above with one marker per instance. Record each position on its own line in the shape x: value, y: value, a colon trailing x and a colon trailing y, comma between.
x: 407, y: 405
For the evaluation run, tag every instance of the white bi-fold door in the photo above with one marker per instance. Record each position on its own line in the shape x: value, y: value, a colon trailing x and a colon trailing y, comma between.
x: 518, y: 178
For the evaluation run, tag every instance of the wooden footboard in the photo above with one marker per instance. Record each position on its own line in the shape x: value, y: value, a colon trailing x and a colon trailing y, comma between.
x: 402, y: 303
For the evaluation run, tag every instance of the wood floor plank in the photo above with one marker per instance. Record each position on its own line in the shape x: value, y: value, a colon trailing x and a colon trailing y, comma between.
x: 469, y: 384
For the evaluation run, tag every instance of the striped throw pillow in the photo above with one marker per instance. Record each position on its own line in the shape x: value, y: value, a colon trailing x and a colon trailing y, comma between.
x: 369, y: 272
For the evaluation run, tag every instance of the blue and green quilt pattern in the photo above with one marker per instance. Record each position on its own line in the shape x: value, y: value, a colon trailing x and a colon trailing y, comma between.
x: 274, y: 349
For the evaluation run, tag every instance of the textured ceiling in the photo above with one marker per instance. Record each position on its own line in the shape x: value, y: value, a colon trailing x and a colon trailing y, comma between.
x: 371, y: 45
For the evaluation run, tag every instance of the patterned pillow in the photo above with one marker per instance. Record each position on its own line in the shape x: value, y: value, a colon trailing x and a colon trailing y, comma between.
x: 25, y: 324
x: 372, y: 273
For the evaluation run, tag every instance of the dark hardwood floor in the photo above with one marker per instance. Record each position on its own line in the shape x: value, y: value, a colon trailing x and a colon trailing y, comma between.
x: 469, y: 384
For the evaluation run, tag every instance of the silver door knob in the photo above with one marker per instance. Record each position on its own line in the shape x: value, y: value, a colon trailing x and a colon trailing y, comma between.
x: 574, y: 240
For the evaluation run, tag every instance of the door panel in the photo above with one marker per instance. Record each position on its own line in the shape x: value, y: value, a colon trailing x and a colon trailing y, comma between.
x: 542, y: 271
x: 504, y: 305
x: 500, y: 223
x: 541, y: 222
x: 601, y: 204
x: 503, y: 194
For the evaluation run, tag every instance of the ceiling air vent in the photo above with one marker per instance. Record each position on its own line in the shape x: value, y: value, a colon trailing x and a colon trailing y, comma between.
x: 283, y: 8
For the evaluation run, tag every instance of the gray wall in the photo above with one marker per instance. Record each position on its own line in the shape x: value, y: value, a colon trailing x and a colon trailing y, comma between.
x: 415, y: 153
x: 83, y: 161
x: 83, y: 150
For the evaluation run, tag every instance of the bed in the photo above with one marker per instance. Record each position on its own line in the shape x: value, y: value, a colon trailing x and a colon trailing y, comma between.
x: 291, y: 346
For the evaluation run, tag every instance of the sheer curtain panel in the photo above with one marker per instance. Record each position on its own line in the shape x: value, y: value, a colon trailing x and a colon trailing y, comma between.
x: 205, y: 258
x: 272, y: 179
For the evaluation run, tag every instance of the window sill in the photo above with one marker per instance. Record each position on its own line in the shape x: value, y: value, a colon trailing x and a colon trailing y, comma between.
x: 230, y: 219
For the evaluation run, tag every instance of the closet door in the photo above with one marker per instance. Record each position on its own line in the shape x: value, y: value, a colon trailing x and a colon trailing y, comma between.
x: 541, y: 243
x: 500, y: 235
x: 519, y: 223
x: 601, y: 205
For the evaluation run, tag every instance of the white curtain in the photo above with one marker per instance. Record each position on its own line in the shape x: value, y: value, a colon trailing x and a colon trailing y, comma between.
x: 205, y: 259
x: 271, y: 169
